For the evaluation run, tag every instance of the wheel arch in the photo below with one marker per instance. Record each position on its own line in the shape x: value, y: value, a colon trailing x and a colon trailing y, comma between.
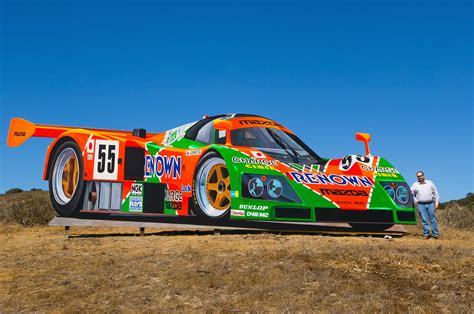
x: 194, y: 207
x: 52, y: 150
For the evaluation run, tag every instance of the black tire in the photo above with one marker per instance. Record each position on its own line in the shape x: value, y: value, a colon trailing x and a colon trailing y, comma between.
x: 370, y: 227
x: 209, y: 212
x: 66, y: 203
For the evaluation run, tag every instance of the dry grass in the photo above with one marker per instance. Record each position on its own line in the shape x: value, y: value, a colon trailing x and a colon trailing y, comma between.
x: 114, y: 270
x: 457, y: 216
x: 40, y: 271
x: 26, y: 208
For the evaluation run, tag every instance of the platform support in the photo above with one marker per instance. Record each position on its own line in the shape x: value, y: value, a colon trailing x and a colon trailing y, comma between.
x: 142, y: 231
x: 66, y: 232
x: 217, y: 231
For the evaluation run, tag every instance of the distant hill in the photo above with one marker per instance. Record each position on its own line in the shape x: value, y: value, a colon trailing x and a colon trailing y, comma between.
x: 467, y: 201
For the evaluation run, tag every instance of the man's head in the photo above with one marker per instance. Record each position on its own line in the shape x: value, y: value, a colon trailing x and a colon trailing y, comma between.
x: 420, y: 176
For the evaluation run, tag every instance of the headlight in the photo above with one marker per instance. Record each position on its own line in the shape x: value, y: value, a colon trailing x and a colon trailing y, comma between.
x: 399, y: 192
x: 390, y: 191
x: 402, y: 194
x: 268, y: 187
x: 255, y: 187
x: 274, y: 188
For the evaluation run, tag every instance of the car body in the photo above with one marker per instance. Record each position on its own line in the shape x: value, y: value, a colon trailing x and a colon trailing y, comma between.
x: 225, y: 167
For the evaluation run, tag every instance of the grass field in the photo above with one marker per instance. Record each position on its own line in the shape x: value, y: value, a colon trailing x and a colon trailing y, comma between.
x: 112, y: 269
x: 108, y: 269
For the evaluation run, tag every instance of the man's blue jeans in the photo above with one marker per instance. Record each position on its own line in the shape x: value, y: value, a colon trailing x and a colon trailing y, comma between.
x: 427, y: 213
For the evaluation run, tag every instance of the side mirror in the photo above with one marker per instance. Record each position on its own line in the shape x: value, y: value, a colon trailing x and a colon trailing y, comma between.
x: 223, y: 125
x: 364, y: 137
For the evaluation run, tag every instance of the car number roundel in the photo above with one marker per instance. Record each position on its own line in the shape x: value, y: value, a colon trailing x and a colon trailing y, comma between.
x: 106, y: 160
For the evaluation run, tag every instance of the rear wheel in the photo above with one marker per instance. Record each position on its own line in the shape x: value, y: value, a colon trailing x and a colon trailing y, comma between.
x: 370, y: 227
x: 211, y: 192
x: 66, y: 184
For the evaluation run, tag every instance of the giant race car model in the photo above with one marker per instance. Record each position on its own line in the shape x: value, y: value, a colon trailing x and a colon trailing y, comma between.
x: 235, y: 166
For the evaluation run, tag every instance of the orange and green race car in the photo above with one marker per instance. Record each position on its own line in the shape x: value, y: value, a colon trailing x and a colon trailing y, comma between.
x: 220, y: 168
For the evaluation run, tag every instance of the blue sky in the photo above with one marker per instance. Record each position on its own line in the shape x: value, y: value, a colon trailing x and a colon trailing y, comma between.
x: 400, y: 70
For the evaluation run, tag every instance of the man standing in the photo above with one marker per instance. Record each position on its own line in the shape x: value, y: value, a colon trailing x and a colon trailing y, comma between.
x: 426, y: 198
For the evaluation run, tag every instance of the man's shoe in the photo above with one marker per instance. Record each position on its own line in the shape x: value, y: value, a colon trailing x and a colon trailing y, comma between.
x: 436, y: 237
x: 426, y: 237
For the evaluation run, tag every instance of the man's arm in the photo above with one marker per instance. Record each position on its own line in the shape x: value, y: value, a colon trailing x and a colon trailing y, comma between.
x: 434, y: 191
x: 413, y: 192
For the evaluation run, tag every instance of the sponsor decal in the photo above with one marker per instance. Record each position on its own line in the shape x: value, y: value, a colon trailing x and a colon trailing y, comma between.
x: 173, y: 199
x: 348, y: 161
x: 332, y: 179
x: 193, y: 152
x: 90, y: 156
x: 105, y: 160
x: 253, y: 207
x: 163, y: 166
x: 260, y: 122
x: 344, y: 192
x: 236, y: 212
x: 135, y: 204
x: 19, y: 133
x: 176, y: 134
x: 387, y: 175
x: 173, y: 196
x: 253, y: 161
x: 256, y: 214
x: 379, y: 169
x: 185, y: 188
x: 259, y: 167
x: 234, y: 193
x: 137, y: 189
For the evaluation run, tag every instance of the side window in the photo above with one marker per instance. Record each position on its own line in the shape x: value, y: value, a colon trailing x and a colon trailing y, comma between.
x: 220, y: 137
x: 205, y: 134
x: 209, y: 135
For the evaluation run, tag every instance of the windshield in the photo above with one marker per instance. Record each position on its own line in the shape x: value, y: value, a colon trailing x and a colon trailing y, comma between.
x: 276, y: 143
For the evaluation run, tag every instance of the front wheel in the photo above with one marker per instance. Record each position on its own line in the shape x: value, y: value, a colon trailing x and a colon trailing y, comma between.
x: 370, y: 227
x: 66, y: 184
x: 211, y: 188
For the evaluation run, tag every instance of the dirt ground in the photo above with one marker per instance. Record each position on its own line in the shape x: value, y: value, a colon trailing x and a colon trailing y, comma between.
x: 113, y: 269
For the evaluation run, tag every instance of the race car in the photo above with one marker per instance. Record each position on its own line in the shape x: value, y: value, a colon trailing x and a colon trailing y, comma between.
x: 220, y: 168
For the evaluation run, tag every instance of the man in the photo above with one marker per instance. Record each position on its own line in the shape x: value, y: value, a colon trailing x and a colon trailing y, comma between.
x: 427, y: 200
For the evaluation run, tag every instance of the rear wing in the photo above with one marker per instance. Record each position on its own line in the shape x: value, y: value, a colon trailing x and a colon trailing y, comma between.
x: 21, y: 130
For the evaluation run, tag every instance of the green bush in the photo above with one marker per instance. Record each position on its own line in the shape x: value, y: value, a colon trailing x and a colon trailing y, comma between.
x: 27, y: 208
x: 14, y: 191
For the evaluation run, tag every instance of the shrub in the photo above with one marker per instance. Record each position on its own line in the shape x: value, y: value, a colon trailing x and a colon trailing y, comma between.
x: 13, y: 191
x: 457, y: 216
x: 27, y: 208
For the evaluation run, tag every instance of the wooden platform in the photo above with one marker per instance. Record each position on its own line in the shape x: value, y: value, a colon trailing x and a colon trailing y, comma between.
x: 251, y: 226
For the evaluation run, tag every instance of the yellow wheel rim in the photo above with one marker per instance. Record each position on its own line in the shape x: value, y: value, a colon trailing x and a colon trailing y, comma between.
x: 218, y: 187
x: 70, y: 174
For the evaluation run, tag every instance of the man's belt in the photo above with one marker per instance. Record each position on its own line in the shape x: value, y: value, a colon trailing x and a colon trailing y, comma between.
x: 425, y: 203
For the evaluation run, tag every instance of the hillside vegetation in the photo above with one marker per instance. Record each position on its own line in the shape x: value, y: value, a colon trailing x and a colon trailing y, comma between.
x: 27, y: 208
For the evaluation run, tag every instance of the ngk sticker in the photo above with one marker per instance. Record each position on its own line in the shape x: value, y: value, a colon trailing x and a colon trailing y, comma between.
x: 137, y: 189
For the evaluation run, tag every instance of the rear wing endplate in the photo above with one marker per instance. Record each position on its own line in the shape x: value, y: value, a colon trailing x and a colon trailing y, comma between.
x: 21, y: 130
